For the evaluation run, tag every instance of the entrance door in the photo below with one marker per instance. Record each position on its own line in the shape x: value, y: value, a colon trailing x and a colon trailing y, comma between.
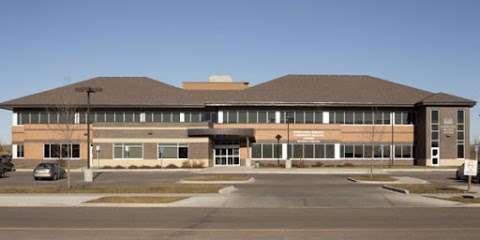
x: 435, y: 155
x: 226, y: 156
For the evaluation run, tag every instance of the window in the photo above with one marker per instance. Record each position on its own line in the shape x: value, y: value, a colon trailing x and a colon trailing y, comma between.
x: 110, y: 117
x: 368, y: 118
x: 277, y: 150
x: 20, y: 151
x: 172, y: 151
x: 403, y: 151
x: 127, y: 151
x: 358, y: 117
x: 435, y: 128
x: 339, y: 117
x: 242, y: 117
x: 63, y: 151
x: 319, y: 151
x: 330, y: 151
x: 403, y: 118
x: 358, y: 151
x: 256, y: 150
x: 308, y: 151
x: 299, y: 117
x: 378, y: 118
x: 232, y: 116
x: 460, y: 134
x: 348, y: 151
x: 271, y: 117
x: 318, y: 117
x: 377, y: 151
x: 34, y: 117
x: 367, y: 151
x: 252, y: 117
x: 262, y: 117
x: 43, y: 117
x: 267, y: 150
x: 309, y: 117
x: 348, y: 117
x: 119, y: 117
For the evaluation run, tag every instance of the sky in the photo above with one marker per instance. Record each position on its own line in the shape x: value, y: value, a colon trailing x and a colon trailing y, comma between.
x: 432, y: 45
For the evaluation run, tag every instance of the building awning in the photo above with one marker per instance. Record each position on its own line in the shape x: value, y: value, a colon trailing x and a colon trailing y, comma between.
x: 224, y: 133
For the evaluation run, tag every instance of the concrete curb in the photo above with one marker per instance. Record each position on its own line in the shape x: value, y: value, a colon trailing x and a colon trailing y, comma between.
x: 227, y: 190
x: 396, y: 189
x: 371, y: 182
x: 250, y: 180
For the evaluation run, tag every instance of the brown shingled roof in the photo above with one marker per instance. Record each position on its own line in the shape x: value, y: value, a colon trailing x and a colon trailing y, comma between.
x: 315, y: 90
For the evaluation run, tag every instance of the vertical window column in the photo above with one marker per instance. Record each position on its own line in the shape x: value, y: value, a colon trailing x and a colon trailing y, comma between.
x: 460, y: 134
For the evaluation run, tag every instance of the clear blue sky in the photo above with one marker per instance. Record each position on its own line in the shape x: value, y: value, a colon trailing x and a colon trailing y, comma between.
x: 433, y: 45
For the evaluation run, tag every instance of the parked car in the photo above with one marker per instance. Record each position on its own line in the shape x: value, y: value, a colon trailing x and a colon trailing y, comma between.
x: 460, y: 176
x: 6, y: 161
x: 52, y: 171
x: 3, y: 170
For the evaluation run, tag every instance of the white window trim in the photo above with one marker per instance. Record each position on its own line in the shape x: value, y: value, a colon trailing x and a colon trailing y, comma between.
x: 58, y: 158
x: 177, y: 145
x: 123, y: 145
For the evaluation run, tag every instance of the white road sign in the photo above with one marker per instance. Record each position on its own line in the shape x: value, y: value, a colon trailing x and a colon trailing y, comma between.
x: 471, y: 167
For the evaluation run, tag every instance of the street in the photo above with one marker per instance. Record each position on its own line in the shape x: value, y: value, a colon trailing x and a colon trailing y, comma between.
x: 235, y: 223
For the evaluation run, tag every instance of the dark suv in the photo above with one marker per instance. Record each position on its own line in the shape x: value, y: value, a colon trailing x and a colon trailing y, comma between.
x: 6, y: 165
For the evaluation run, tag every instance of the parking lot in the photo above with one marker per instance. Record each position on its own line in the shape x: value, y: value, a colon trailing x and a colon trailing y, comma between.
x: 271, y: 190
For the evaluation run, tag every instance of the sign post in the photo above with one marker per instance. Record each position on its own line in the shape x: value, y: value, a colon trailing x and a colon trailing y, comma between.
x: 470, y: 169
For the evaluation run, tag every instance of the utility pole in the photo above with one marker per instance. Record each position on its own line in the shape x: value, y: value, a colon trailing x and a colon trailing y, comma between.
x: 89, y: 91
x: 88, y: 173
x: 278, y: 137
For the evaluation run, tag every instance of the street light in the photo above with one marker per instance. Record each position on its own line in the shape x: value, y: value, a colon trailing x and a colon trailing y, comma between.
x: 89, y: 91
x: 278, y: 137
x: 288, y: 119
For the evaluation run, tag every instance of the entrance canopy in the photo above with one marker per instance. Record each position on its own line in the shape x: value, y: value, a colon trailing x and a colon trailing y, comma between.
x: 222, y: 134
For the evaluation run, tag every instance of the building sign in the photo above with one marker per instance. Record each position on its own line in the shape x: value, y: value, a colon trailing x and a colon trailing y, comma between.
x: 308, y: 136
x: 470, y: 168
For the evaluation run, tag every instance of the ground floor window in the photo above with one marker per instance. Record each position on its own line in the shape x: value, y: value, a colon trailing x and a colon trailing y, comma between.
x: 295, y: 151
x: 172, y: 151
x: 266, y: 150
x: 60, y: 151
x: 20, y: 151
x: 403, y: 151
x: 127, y: 151
x: 363, y: 151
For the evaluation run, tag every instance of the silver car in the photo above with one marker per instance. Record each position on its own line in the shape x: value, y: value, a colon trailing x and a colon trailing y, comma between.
x: 52, y: 171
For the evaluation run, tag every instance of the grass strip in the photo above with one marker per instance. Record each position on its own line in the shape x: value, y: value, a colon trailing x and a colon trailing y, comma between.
x: 458, y: 199
x: 166, y: 188
x: 428, y: 188
x: 217, y: 177
x: 136, y: 199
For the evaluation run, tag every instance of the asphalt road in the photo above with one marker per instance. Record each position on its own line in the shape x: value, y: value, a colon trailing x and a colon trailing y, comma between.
x: 234, y: 223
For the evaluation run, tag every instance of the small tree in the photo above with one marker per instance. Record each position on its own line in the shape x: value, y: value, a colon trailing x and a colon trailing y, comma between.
x: 65, y: 126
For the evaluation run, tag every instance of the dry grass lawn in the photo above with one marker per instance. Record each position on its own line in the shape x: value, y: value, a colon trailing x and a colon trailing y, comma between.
x: 377, y: 178
x: 217, y: 177
x: 166, y: 188
x: 428, y: 188
x: 137, y: 199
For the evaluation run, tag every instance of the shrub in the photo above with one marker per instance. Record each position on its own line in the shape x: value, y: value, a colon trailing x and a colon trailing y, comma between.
x: 317, y: 164
x: 348, y: 165
x: 197, y: 165
x: 145, y: 167
x: 186, y: 164
x: 171, y: 166
x: 119, y: 167
x: 157, y: 166
x: 107, y: 167
x: 132, y: 167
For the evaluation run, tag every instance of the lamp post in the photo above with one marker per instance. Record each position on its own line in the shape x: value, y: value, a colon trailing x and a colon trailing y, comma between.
x: 288, y: 120
x: 278, y: 137
x: 89, y: 91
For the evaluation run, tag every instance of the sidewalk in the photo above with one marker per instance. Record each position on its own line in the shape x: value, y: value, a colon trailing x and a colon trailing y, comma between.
x: 247, y: 170
x: 321, y: 170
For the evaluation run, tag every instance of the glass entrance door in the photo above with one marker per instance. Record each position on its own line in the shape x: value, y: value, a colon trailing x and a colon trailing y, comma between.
x: 226, y: 156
